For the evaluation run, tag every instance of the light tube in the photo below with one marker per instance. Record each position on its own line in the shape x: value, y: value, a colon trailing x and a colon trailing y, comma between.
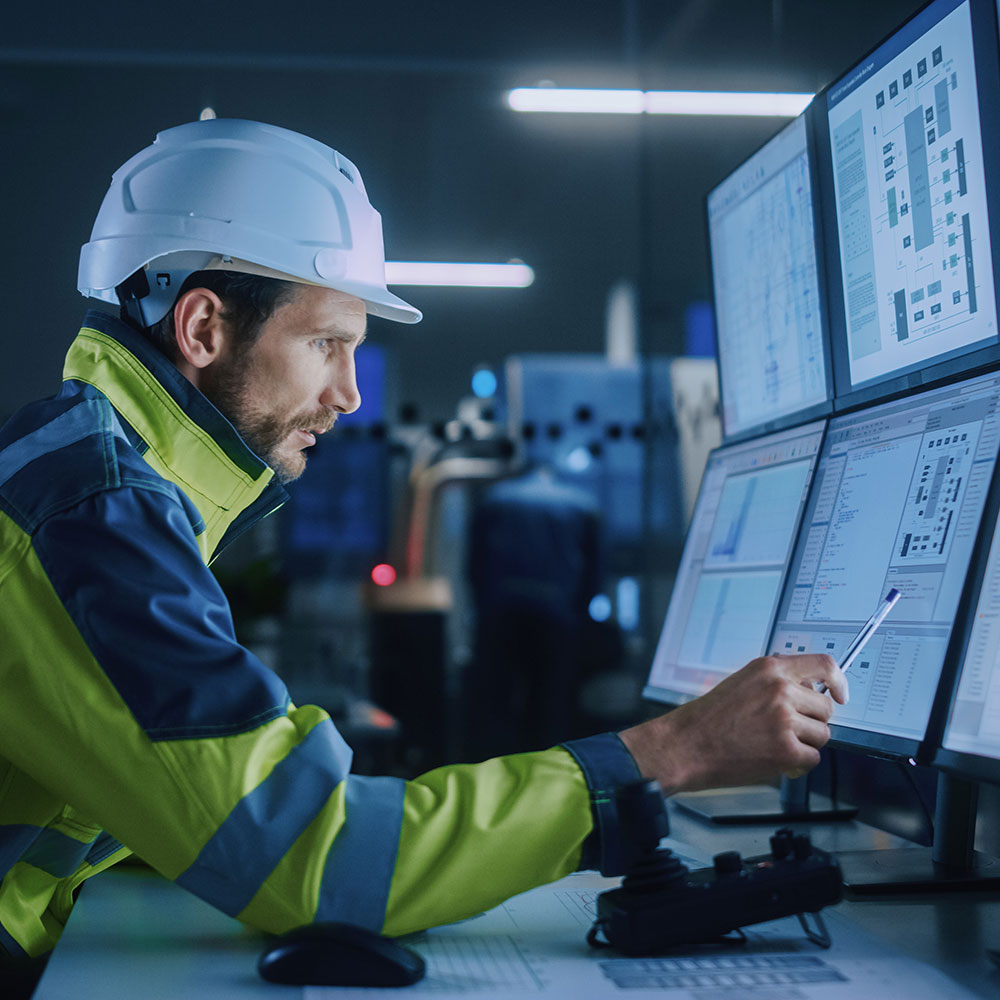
x: 422, y: 272
x: 657, y: 102
x: 615, y: 102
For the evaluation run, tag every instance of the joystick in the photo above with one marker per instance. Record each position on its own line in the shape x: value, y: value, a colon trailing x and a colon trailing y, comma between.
x: 661, y: 904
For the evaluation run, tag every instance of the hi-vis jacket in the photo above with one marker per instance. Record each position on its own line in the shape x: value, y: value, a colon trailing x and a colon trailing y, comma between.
x: 131, y: 719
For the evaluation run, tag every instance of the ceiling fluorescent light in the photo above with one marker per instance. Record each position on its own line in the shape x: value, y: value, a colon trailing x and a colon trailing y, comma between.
x: 707, y: 102
x: 657, y: 102
x: 417, y: 272
x: 616, y: 102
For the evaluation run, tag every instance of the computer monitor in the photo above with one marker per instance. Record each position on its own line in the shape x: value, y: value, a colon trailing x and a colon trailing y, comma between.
x: 970, y: 743
x: 897, y: 501
x: 909, y: 160
x: 734, y: 561
x: 965, y: 728
x: 725, y: 595
x: 770, y: 310
x: 969, y: 724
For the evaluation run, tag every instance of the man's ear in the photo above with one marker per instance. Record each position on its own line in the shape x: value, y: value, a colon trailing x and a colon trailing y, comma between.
x: 200, y: 331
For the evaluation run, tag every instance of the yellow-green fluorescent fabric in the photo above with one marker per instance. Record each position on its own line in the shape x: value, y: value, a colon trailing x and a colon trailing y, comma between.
x: 131, y: 719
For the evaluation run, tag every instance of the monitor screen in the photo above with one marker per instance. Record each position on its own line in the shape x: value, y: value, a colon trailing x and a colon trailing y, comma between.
x: 898, y: 497
x: 770, y: 326
x: 734, y: 561
x: 971, y: 740
x: 912, y: 140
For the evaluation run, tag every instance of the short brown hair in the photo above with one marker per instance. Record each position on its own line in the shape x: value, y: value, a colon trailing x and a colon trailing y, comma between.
x: 248, y: 300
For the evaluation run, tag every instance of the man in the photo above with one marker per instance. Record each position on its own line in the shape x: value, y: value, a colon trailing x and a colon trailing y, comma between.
x: 246, y: 258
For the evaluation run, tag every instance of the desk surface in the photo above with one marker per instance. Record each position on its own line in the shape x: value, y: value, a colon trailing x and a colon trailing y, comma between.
x: 134, y: 935
x: 950, y: 931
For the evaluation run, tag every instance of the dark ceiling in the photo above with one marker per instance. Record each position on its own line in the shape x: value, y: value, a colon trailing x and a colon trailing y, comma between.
x: 412, y: 93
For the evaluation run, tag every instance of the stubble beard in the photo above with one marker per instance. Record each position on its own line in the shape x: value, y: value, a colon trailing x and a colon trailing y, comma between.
x: 262, y: 432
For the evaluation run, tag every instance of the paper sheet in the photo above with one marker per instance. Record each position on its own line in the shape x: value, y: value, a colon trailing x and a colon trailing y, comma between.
x: 535, y: 944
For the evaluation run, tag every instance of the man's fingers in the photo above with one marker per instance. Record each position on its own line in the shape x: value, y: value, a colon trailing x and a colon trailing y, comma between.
x: 809, y: 702
x: 821, y: 669
x: 836, y: 684
x: 812, y: 732
x: 798, y: 772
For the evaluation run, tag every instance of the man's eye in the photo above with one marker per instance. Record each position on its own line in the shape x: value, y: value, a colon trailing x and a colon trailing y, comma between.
x: 323, y: 343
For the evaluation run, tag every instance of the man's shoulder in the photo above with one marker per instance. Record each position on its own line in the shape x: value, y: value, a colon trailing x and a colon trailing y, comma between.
x: 56, y: 452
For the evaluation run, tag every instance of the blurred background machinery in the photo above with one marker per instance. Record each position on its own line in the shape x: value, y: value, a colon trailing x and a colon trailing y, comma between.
x: 492, y: 583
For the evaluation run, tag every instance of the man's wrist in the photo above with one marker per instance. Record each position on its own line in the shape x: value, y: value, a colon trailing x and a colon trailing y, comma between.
x: 658, y: 752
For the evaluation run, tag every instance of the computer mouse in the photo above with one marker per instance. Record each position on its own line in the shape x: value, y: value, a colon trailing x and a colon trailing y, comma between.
x: 338, y: 954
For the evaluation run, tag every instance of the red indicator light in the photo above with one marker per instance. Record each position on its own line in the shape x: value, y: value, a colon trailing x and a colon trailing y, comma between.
x: 383, y: 575
x: 381, y: 719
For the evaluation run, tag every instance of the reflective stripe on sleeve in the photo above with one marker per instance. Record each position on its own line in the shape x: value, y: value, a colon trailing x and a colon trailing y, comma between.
x: 362, y: 860
x: 53, y: 852
x: 261, y: 828
x: 15, y: 839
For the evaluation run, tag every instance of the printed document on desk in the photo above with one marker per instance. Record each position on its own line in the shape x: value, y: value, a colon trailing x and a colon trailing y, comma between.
x: 534, y: 944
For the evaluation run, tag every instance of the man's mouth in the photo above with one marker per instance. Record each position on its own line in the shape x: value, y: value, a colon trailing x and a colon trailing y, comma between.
x: 309, y: 434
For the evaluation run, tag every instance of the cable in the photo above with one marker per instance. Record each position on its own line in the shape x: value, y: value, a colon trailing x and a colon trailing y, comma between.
x: 905, y: 767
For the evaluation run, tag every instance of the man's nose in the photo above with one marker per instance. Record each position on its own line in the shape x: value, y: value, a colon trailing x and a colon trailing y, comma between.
x: 341, y: 391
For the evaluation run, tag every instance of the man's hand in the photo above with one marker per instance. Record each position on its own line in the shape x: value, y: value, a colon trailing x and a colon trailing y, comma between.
x: 762, y: 721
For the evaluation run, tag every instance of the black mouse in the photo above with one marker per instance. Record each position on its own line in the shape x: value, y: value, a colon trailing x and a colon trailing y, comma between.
x: 336, y: 954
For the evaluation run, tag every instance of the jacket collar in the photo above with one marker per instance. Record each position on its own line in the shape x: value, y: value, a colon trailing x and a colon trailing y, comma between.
x: 188, y: 441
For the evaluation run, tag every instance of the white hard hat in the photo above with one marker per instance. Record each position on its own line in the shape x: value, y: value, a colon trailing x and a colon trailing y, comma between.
x: 242, y: 196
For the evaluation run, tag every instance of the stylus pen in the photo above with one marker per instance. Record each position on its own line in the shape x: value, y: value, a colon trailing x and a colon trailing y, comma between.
x: 867, y: 631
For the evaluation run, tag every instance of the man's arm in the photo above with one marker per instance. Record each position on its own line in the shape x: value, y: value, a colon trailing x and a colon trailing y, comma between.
x: 761, y: 721
x: 183, y: 746
x: 130, y: 698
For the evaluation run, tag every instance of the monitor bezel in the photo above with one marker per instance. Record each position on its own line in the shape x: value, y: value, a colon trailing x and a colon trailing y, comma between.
x: 667, y: 696
x: 966, y: 361
x: 962, y: 763
x: 817, y: 410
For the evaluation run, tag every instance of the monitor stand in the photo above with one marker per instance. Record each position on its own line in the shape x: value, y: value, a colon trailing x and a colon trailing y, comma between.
x: 950, y: 865
x: 792, y: 803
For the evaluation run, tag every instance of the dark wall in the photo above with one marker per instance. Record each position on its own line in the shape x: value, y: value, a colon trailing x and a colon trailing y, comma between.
x: 412, y: 93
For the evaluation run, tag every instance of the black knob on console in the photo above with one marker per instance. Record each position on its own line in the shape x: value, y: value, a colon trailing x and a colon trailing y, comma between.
x: 728, y: 863
x: 802, y: 846
x: 781, y: 844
